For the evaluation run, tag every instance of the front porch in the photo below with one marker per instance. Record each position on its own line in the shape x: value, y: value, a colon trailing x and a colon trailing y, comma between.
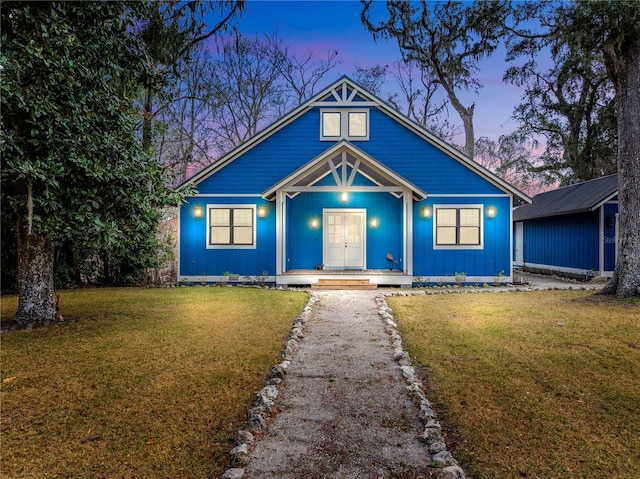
x: 378, y: 277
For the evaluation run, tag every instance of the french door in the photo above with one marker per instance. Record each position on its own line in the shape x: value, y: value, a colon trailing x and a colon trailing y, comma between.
x: 344, y: 238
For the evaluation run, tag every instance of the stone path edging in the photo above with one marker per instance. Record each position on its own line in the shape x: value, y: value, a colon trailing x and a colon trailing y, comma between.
x: 432, y: 435
x: 263, y: 408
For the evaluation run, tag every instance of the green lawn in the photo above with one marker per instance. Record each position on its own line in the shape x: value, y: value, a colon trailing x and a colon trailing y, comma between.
x: 531, y: 385
x: 138, y: 383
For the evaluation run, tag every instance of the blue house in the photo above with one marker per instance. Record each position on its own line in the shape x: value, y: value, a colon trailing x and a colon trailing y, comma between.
x: 570, y: 230
x: 346, y: 187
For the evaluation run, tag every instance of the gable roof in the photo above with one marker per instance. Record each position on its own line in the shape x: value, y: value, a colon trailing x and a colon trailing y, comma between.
x: 332, y: 93
x: 350, y: 157
x: 579, y: 198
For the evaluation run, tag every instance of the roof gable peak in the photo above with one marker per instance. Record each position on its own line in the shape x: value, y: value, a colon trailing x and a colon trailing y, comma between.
x: 345, y: 92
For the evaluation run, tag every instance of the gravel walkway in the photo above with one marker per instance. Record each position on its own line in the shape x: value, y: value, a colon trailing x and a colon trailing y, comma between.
x: 350, y: 405
x: 344, y: 410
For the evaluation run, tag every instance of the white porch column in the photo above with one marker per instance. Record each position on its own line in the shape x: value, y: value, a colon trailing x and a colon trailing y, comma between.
x: 280, y: 231
x: 408, y: 232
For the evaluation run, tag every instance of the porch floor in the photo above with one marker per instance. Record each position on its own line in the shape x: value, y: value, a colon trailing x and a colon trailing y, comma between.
x: 380, y: 277
x: 345, y: 272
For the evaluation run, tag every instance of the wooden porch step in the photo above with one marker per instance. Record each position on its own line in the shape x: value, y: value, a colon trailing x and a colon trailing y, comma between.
x: 341, y: 283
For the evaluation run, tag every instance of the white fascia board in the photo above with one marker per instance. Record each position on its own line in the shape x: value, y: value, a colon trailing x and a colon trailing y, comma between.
x: 605, y: 200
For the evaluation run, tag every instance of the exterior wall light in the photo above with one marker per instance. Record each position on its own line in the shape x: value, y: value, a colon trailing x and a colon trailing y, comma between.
x: 344, y: 196
x: 374, y: 222
x: 426, y: 212
x: 198, y: 211
x: 262, y: 211
x: 314, y: 223
x: 491, y: 212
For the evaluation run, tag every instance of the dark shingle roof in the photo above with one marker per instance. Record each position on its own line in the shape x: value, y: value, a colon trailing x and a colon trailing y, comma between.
x: 578, y: 198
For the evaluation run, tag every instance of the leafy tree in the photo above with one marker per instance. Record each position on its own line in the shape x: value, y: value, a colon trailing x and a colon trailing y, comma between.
x: 610, y: 30
x: 73, y: 167
x: 447, y: 40
x: 570, y: 106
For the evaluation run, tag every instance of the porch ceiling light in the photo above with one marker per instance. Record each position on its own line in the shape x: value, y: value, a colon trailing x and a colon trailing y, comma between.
x: 491, y: 211
x: 198, y: 211
x: 344, y: 196
x: 262, y: 211
x: 426, y: 212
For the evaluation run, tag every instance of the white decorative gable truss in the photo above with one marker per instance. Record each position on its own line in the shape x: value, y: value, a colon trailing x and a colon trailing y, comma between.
x: 344, y: 94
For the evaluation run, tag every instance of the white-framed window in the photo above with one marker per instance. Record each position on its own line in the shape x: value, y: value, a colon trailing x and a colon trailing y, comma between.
x: 458, y: 226
x: 351, y: 124
x: 331, y: 124
x: 231, y: 226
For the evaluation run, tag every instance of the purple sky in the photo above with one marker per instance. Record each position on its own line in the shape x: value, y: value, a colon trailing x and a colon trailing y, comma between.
x: 323, y: 25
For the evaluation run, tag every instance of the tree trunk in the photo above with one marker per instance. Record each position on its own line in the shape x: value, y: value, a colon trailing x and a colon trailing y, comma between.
x: 466, y: 115
x: 36, y: 305
x: 623, y: 65
x: 469, y: 135
x: 147, y: 117
x: 106, y: 264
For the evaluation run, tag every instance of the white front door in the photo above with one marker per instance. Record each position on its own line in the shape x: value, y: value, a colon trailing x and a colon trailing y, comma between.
x: 344, y: 239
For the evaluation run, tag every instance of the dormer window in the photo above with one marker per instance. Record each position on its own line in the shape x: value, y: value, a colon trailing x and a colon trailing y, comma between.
x: 349, y: 124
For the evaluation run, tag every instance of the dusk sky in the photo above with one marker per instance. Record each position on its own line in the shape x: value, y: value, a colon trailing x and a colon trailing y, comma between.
x: 321, y: 26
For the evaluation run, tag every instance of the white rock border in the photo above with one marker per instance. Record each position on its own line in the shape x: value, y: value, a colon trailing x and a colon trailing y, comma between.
x: 432, y: 434
x: 264, y: 407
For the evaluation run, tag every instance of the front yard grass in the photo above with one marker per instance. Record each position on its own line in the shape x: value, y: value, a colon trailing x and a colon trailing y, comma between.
x: 535, y: 385
x: 138, y: 383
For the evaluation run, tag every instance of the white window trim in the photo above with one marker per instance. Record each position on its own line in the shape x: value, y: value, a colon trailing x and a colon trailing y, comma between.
x: 344, y: 124
x: 232, y: 246
x: 457, y: 246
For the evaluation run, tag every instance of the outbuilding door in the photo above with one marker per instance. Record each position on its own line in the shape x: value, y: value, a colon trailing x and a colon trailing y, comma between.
x: 344, y: 238
x: 519, y: 243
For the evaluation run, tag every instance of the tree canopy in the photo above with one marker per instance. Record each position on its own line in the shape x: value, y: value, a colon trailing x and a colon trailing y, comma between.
x: 73, y: 167
x: 591, y: 31
x: 447, y: 40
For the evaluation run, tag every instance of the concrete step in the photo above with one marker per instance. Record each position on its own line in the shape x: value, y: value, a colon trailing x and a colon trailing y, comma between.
x: 341, y: 283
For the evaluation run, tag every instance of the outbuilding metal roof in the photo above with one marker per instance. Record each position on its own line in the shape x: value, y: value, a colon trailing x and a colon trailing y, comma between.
x: 578, y: 198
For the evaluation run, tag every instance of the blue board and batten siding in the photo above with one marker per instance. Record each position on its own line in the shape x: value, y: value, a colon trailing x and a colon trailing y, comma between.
x: 305, y: 243
x: 402, y: 150
x: 563, y: 242
x: 390, y: 143
x: 197, y: 261
x: 570, y: 230
x: 492, y: 261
